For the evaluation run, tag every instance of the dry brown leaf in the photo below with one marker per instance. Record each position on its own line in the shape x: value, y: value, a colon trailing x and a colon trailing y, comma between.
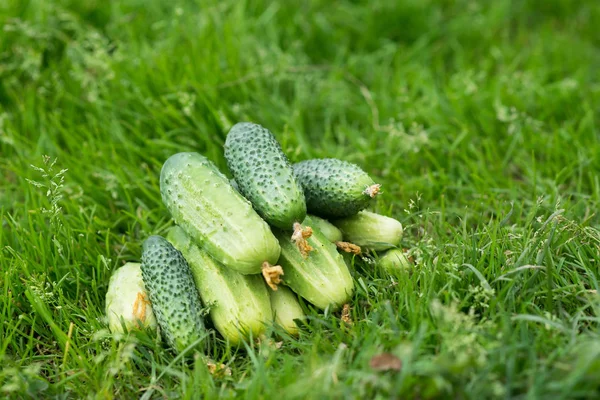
x: 272, y: 274
x: 346, y: 314
x: 385, y: 362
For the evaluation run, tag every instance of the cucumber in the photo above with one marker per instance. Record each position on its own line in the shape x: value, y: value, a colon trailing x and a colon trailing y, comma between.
x: 264, y: 175
x: 286, y: 309
x: 234, y: 185
x: 331, y: 232
x: 394, y: 260
x: 217, y: 218
x: 239, y: 305
x: 322, y: 277
x: 127, y: 304
x: 370, y: 230
x: 172, y: 293
x: 334, y: 188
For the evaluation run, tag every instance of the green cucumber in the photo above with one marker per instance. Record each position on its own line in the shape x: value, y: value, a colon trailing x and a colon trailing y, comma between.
x: 234, y: 185
x: 286, y: 309
x: 370, y: 230
x: 394, y: 260
x: 334, y: 188
x: 239, y: 305
x: 322, y: 277
x: 218, y: 218
x: 172, y: 293
x: 127, y: 304
x: 331, y: 232
x: 264, y: 175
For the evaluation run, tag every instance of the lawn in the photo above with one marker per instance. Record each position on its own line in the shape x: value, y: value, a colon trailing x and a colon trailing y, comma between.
x: 479, y: 119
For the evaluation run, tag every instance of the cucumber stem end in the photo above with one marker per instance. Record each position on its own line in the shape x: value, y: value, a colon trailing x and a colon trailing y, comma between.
x: 272, y: 274
x: 373, y: 190
x: 299, y: 237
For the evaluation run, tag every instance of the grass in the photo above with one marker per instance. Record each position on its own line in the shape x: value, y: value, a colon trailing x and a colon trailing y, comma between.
x: 480, y: 119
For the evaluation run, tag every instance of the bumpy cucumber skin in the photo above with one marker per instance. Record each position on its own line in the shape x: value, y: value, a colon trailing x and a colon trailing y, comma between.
x: 264, y: 175
x: 215, y: 215
x: 370, y: 230
x: 127, y: 300
x: 172, y: 292
x: 333, y: 188
x: 330, y: 231
x: 286, y: 309
x: 322, y: 278
x: 239, y: 304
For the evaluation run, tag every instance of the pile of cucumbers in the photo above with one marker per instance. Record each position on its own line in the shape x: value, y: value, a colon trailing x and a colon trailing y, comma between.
x: 245, y: 248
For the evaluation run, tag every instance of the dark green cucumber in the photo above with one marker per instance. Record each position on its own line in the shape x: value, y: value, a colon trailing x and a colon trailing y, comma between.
x: 217, y: 217
x: 239, y: 305
x: 370, y: 230
x: 172, y: 293
x: 322, y: 277
x: 264, y: 175
x: 334, y: 188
